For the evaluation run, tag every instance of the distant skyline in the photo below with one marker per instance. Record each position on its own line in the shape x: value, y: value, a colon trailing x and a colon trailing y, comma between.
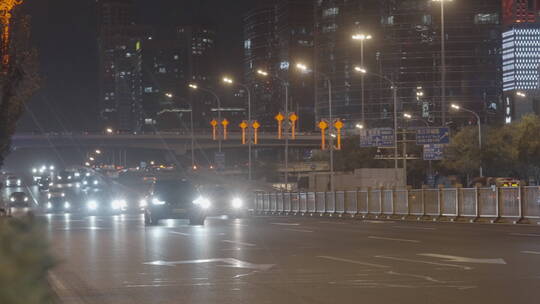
x: 64, y: 32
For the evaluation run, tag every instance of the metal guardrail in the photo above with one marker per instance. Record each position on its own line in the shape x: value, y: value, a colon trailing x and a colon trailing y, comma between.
x: 494, y: 203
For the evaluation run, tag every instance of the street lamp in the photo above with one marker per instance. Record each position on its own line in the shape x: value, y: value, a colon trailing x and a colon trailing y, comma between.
x: 362, y: 38
x: 359, y: 126
x: 91, y: 158
x: 521, y: 94
x: 394, y: 87
x: 98, y: 151
x: 443, y: 61
x: 287, y: 114
x: 459, y: 108
x: 194, y: 86
x: 410, y: 117
x: 229, y: 81
x: 109, y: 130
x: 169, y: 95
x: 304, y: 68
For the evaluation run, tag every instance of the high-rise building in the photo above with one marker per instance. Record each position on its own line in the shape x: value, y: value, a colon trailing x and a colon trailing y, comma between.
x: 521, y: 58
x: 275, y: 37
x: 520, y: 11
x: 336, y: 21
x: 412, y: 57
x: 119, y: 40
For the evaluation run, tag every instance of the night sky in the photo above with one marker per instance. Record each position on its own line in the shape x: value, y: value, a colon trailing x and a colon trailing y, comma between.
x: 64, y: 32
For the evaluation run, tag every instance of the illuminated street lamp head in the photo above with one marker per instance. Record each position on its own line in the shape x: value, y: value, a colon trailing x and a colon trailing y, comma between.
x: 109, y: 130
x: 360, y: 70
x: 407, y: 115
x: 169, y: 95
x: 521, y: 94
x: 91, y: 158
x: 361, y: 37
x: 360, y: 126
x: 228, y: 80
x: 193, y: 86
x: 302, y: 67
x: 262, y: 73
x: 98, y: 151
x: 455, y: 106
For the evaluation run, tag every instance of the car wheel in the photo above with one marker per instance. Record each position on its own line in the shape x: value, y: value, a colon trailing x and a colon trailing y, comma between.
x: 197, y: 221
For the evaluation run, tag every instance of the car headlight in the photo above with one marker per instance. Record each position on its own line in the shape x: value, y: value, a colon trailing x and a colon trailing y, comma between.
x: 12, y: 199
x: 67, y: 205
x: 92, y: 205
x: 51, y: 184
x: 143, y: 203
x: 26, y: 199
x: 157, y: 202
x: 59, y: 178
x: 202, y: 202
x: 19, y: 182
x: 118, y: 204
x: 85, y: 183
x: 49, y: 195
x: 63, y: 194
x: 96, y: 182
x: 237, y: 203
x: 78, y: 185
x: 49, y: 205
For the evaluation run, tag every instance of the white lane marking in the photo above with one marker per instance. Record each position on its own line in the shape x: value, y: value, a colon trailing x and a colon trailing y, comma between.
x: 352, y: 261
x: 328, y: 222
x: 525, y: 234
x: 531, y: 252
x: 377, y: 222
x: 239, y: 243
x: 286, y: 224
x: 66, y: 295
x: 427, y: 278
x: 392, y: 239
x: 240, y: 225
x: 420, y: 228
x: 179, y: 233
x: 229, y: 262
x: 423, y: 262
x: 299, y: 230
x: 458, y: 259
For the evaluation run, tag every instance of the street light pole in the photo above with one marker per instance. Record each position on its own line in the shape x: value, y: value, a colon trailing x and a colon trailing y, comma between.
x: 395, y: 91
x: 287, y: 114
x: 479, y: 123
x: 443, y: 62
x: 304, y: 68
x: 362, y: 38
x: 218, y: 101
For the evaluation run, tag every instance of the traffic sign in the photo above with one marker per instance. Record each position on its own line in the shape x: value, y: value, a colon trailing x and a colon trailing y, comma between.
x: 219, y: 160
x: 427, y: 136
x: 378, y: 137
x: 433, y: 152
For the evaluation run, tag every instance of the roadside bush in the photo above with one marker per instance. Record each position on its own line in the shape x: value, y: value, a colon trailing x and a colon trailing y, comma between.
x: 24, y: 262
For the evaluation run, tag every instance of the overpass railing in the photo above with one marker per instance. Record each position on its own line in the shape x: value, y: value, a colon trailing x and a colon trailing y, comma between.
x: 517, y: 204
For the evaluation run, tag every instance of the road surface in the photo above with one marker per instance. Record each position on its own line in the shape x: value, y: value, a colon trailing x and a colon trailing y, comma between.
x: 116, y: 260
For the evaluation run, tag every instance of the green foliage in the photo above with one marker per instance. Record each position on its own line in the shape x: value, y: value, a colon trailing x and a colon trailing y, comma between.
x: 24, y: 262
x: 508, y: 151
x: 462, y: 155
x: 353, y: 157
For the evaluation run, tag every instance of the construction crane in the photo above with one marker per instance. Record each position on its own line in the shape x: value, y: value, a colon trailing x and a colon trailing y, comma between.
x: 6, y: 7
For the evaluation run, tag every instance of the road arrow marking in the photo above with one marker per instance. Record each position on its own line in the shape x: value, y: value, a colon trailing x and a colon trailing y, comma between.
x: 423, y: 262
x: 239, y: 243
x: 229, y: 262
x: 531, y: 252
x: 458, y: 259
x: 352, y: 261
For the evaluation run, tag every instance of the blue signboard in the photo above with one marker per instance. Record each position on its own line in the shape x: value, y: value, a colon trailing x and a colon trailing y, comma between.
x: 433, y: 152
x: 427, y: 136
x: 379, y: 137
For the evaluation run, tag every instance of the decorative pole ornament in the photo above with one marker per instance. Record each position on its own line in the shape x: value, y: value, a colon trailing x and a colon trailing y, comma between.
x: 338, y: 125
x: 293, y: 118
x: 323, y: 125
x: 243, y: 125
x: 256, y: 125
x: 214, y: 124
x: 225, y: 123
x: 280, y: 119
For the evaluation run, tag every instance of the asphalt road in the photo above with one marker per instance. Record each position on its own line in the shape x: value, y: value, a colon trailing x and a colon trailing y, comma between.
x: 292, y: 260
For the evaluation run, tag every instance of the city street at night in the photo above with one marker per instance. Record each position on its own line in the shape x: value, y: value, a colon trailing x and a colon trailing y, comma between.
x: 292, y: 260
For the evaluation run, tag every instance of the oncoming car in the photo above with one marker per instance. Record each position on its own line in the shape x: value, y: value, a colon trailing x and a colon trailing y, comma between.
x: 57, y: 202
x: 226, y: 201
x: 13, y: 181
x: 103, y: 202
x: 175, y: 199
x: 19, y: 204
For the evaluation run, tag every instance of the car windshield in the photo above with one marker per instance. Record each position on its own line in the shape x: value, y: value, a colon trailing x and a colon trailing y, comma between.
x: 173, y: 188
x: 18, y: 195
